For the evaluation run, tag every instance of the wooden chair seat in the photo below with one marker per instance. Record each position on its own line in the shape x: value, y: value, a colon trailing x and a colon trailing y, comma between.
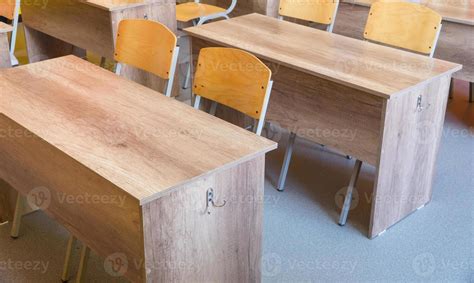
x: 190, y: 11
x: 5, y: 27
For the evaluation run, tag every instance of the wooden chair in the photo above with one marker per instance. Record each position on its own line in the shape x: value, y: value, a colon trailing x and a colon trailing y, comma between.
x: 404, y: 25
x: 316, y: 11
x: 197, y: 14
x: 10, y: 9
x: 200, y: 13
x: 5, y: 56
x: 236, y: 79
x: 149, y: 46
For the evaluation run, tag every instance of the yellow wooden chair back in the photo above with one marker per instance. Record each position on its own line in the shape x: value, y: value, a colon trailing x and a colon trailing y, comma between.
x: 147, y: 45
x: 234, y: 78
x: 401, y: 24
x: 7, y: 9
x: 318, y: 11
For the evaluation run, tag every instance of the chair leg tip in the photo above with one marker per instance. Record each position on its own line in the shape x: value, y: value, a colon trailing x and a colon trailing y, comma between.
x: 64, y: 281
x: 342, y: 224
x: 14, y: 237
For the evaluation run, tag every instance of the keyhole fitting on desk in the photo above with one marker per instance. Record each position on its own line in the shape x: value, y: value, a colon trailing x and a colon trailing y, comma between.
x: 210, y: 201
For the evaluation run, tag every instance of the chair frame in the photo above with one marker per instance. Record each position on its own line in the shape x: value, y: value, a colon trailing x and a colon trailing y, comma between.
x: 14, y: 33
x: 261, y: 120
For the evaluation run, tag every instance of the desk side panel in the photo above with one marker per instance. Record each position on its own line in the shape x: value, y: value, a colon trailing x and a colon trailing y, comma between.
x: 79, y: 24
x: 100, y: 214
x: 410, y: 145
x: 5, y: 61
x: 183, y: 243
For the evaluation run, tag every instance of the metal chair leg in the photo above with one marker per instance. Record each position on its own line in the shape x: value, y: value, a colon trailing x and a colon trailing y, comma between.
x: 286, y: 162
x: 451, y: 89
x: 85, y: 251
x: 348, y: 198
x: 188, y: 77
x: 67, y: 261
x: 471, y: 92
x: 19, y: 208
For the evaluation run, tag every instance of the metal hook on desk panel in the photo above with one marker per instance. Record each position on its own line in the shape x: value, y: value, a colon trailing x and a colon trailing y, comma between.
x: 210, y: 201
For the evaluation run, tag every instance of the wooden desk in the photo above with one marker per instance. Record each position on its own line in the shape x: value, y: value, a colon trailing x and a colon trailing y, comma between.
x: 327, y: 83
x: 145, y: 161
x: 456, y: 41
x: 5, y: 61
x: 65, y: 27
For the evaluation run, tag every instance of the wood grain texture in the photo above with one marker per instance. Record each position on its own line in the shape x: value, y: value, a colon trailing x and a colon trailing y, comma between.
x: 5, y: 61
x: 147, y: 45
x: 224, y: 246
x: 145, y: 154
x: 7, y: 9
x: 62, y: 25
x: 327, y: 113
x: 453, y: 44
x: 322, y: 54
x: 405, y: 25
x: 409, y: 144
x: 232, y: 77
x: 97, y: 212
x: 192, y: 10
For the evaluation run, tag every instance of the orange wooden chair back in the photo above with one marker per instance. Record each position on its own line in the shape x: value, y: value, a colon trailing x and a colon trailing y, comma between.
x: 7, y: 9
x: 401, y: 24
x: 234, y: 78
x: 317, y: 11
x: 147, y: 45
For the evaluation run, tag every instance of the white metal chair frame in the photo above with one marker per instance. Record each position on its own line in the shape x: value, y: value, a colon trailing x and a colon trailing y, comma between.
x: 169, y: 84
x: 199, y: 22
x: 16, y: 15
x: 258, y: 127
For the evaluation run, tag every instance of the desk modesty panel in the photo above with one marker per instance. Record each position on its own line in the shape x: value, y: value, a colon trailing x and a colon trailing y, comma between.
x: 60, y: 28
x: 384, y: 97
x: 77, y: 130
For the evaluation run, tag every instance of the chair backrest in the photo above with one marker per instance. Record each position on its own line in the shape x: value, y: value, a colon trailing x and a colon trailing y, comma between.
x: 234, y: 78
x: 317, y: 11
x: 7, y: 8
x: 147, y: 45
x: 406, y: 25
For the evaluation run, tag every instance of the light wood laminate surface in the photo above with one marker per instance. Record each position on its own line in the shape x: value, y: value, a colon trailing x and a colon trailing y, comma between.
x: 381, y: 105
x: 76, y: 130
x: 324, y: 54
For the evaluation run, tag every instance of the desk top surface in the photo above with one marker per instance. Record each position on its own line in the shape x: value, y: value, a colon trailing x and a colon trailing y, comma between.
x: 376, y: 69
x: 138, y: 139
x: 113, y: 5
